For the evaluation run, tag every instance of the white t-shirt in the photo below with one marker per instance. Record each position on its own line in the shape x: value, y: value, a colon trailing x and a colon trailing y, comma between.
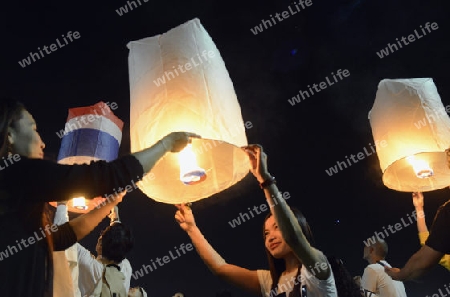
x: 376, y: 280
x: 91, y: 271
x: 314, y: 286
x: 65, y: 279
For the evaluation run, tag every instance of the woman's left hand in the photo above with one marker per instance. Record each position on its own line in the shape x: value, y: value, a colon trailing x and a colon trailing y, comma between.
x: 258, y: 162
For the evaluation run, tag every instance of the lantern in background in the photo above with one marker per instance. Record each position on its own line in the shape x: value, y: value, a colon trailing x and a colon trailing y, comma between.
x: 179, y: 82
x: 409, y: 116
x: 91, y: 133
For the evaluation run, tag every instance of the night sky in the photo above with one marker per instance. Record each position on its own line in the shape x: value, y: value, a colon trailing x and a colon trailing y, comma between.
x: 267, y: 69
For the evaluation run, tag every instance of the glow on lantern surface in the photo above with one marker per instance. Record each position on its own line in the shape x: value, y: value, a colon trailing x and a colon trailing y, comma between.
x: 79, y: 203
x: 409, y: 117
x: 420, y: 167
x: 200, y: 99
x: 190, y: 172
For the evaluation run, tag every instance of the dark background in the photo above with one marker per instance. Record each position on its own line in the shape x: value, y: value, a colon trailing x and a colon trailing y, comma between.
x: 266, y: 69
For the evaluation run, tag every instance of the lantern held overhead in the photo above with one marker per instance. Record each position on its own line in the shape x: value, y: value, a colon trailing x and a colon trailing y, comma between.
x: 91, y: 133
x: 179, y: 82
x: 409, y: 116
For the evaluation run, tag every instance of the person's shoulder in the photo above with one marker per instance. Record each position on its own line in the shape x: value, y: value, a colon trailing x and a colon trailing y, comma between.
x: 125, y: 263
x: 264, y: 276
x: 376, y: 267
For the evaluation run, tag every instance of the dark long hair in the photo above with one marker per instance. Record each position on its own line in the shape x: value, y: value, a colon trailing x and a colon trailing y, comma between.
x: 278, y: 266
x: 345, y: 284
x: 10, y: 112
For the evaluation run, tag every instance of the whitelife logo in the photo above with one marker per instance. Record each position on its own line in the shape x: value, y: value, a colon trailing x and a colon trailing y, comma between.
x: 391, y: 48
x: 299, y: 6
x: 341, y: 165
x: 53, y: 47
x: 323, y: 85
x: 187, y: 66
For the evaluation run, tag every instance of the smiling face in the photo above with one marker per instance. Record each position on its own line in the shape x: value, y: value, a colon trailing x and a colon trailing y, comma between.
x: 274, y: 241
x: 24, y: 138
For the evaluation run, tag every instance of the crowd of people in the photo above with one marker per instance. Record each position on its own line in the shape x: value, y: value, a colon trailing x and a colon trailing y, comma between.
x: 59, y: 266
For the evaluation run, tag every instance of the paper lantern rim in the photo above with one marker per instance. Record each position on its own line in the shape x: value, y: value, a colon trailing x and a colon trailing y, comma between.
x: 440, y: 179
x: 160, y: 170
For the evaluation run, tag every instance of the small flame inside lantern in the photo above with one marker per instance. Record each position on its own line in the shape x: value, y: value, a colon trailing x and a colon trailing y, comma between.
x: 190, y: 172
x: 421, y: 167
x: 79, y: 203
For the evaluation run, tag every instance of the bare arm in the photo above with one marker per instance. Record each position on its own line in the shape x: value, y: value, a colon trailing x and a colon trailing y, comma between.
x: 85, y: 223
x: 419, y: 264
x: 238, y: 276
x: 285, y: 218
x: 418, y: 205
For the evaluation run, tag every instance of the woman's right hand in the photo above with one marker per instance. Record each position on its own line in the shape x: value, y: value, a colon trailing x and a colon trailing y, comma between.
x: 184, y: 217
x: 176, y: 141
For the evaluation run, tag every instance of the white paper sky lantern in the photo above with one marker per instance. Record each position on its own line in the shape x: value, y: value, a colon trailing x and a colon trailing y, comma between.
x: 91, y: 133
x: 179, y: 82
x: 409, y: 116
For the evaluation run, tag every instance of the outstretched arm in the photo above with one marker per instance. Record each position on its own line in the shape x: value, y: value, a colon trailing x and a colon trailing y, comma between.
x: 244, y: 278
x: 85, y: 223
x: 285, y: 218
x: 419, y: 264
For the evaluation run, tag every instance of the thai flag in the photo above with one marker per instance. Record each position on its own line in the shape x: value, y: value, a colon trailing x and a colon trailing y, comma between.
x: 91, y: 133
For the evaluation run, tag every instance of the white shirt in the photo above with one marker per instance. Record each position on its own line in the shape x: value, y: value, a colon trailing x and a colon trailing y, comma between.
x: 65, y: 279
x: 86, y: 270
x: 91, y: 270
x: 376, y: 280
x: 315, y: 287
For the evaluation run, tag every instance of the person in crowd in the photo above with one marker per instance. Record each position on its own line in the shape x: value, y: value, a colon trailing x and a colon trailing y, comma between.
x: 295, y: 265
x: 113, y: 244
x: 68, y: 275
x: 375, y: 282
x: 422, y: 228
x: 28, y: 183
x: 431, y: 253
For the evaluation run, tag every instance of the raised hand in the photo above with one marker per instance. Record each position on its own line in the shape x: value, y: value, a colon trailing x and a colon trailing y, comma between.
x: 176, y: 141
x: 258, y: 162
x: 184, y: 217
x: 417, y: 199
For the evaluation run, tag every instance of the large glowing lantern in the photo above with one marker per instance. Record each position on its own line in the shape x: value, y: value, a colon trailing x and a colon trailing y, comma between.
x: 179, y: 82
x: 409, y: 116
x: 91, y: 133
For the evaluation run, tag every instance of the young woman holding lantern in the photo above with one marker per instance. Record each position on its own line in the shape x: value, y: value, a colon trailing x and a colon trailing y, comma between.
x: 296, y: 266
x: 28, y: 184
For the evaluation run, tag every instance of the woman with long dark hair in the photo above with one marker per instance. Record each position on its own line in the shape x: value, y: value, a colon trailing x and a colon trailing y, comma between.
x: 28, y: 183
x: 296, y: 267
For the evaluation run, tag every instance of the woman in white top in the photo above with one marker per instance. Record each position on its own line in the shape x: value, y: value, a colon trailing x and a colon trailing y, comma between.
x: 295, y: 266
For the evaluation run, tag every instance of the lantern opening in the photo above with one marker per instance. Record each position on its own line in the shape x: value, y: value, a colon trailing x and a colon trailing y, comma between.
x: 79, y: 203
x: 190, y: 172
x: 420, y: 167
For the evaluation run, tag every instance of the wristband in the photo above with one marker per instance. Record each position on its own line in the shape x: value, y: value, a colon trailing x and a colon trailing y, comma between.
x: 270, y: 181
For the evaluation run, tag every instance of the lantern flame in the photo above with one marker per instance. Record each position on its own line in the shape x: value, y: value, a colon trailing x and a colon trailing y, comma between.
x: 190, y: 172
x: 421, y: 167
x: 79, y: 203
